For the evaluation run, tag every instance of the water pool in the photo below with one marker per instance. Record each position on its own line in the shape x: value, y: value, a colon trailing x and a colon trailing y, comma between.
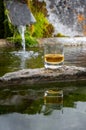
x: 12, y: 59
x: 23, y: 108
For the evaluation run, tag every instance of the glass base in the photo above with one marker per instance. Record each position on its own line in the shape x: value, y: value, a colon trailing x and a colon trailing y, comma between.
x: 53, y: 66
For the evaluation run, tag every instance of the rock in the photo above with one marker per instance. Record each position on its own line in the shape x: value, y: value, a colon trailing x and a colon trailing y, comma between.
x: 19, y: 13
x: 42, y: 75
x: 67, y: 41
x: 5, y: 43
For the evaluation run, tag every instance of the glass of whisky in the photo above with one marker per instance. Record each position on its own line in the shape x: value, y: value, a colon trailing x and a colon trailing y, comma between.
x: 53, y: 55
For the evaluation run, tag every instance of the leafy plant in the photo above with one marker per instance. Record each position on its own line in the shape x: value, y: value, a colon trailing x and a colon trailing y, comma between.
x: 42, y: 28
x: 17, y: 39
x: 1, y: 19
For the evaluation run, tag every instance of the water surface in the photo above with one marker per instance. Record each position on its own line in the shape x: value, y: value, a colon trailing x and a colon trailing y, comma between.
x: 12, y: 59
x: 23, y: 108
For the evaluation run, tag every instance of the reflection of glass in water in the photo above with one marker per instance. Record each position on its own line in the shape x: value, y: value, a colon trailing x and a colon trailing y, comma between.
x: 50, y: 109
x: 53, y: 97
x: 53, y: 100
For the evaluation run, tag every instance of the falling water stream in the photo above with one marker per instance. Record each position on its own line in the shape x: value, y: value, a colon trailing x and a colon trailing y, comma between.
x: 21, y: 30
x: 24, y: 54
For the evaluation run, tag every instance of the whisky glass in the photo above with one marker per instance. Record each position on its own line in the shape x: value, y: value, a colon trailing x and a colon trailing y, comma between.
x: 53, y: 55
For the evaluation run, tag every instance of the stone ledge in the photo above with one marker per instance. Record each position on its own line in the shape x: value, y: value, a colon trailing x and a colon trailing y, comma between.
x: 42, y: 75
x: 5, y: 43
x: 67, y: 41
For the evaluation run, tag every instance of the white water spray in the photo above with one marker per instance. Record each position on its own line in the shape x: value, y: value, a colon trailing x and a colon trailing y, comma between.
x: 21, y: 30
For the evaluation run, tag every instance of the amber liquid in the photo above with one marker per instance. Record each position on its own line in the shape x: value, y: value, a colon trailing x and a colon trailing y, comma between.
x: 53, y: 97
x: 54, y: 58
x: 53, y: 100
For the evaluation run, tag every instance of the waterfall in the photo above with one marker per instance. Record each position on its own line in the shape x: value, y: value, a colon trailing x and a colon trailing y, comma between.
x: 21, y: 30
x: 67, y: 16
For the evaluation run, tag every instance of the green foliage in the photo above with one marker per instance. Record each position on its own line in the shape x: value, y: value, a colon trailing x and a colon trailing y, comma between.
x: 42, y: 28
x: 37, y: 6
x: 48, y: 31
x: 35, y: 107
x: 1, y: 19
x: 8, y: 27
x: 29, y: 40
x: 60, y: 35
x: 73, y: 97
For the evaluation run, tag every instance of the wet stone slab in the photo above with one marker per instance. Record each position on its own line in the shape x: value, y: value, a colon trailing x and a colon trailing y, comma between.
x: 42, y: 75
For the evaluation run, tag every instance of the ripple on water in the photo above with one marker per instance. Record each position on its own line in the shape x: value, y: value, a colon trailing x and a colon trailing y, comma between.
x: 25, y: 54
